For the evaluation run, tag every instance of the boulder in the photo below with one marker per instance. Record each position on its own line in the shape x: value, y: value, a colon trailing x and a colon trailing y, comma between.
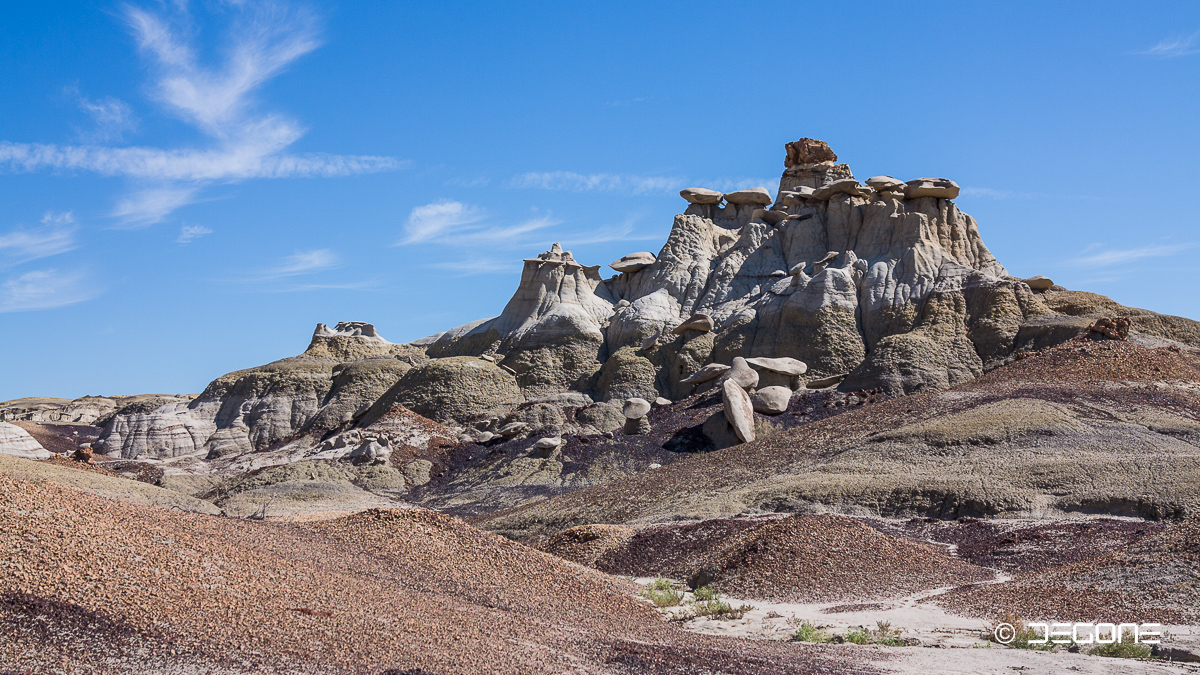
x: 547, y: 443
x: 635, y: 408
x: 758, y: 195
x: 784, y: 371
x: 886, y: 183
x: 738, y: 410
x: 771, y: 400
x: 1039, y: 282
x: 603, y: 417
x: 701, y: 196
x: 942, y: 188
x: 822, y: 382
x: 784, y: 364
x: 808, y: 151
x: 456, y: 389
x: 633, y: 262
x: 512, y: 429
x: 660, y: 401
x: 710, y: 372
x: 697, y: 322
x: 741, y: 374
x: 1116, y: 328
x: 847, y: 186
x: 771, y: 217
x: 17, y: 442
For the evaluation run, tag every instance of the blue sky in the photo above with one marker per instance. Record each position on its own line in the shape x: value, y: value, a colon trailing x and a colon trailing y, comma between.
x: 189, y: 187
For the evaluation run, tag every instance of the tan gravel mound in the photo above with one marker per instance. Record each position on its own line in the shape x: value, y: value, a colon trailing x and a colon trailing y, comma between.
x: 827, y: 558
x: 1155, y: 579
x: 106, y: 586
x: 587, y: 544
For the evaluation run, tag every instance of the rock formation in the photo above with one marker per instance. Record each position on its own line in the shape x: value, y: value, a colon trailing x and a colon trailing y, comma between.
x: 832, y: 282
x: 17, y: 442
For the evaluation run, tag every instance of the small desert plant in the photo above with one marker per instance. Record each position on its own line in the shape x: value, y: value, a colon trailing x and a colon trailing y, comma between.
x: 810, y: 632
x: 1127, y: 648
x: 857, y: 636
x: 1023, y: 636
x: 717, y: 608
x: 662, y: 593
x: 704, y: 594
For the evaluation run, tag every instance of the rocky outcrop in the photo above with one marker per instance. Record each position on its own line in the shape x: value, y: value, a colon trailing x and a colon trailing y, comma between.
x: 455, y: 389
x: 343, y: 371
x: 17, y: 442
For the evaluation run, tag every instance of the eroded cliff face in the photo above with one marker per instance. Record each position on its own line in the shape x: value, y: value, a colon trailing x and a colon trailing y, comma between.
x: 887, y: 284
x: 343, y: 371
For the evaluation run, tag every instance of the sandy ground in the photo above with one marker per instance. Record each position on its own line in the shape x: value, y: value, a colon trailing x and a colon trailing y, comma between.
x: 946, y: 642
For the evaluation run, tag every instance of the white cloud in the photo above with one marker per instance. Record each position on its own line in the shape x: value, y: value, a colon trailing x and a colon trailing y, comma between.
x: 189, y: 233
x: 56, y: 235
x: 570, y: 181
x: 45, y: 289
x: 1114, y: 257
x: 474, y: 266
x: 151, y: 206
x: 1170, y: 48
x: 434, y: 221
x: 263, y: 39
x: 113, y: 118
x: 302, y: 262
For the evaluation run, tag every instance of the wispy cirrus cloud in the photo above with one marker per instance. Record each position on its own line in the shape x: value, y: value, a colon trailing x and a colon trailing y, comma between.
x: 437, y: 220
x: 56, y: 235
x: 263, y: 39
x: 1174, y: 47
x: 302, y: 262
x: 112, y: 118
x: 46, y: 289
x: 634, y: 184
x: 475, y: 265
x: 1121, y: 256
x: 190, y: 233
x: 570, y: 181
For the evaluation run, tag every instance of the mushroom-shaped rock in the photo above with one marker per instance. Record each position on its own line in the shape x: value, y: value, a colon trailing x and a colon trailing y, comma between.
x: 512, y: 428
x: 701, y: 195
x: 635, y: 427
x: 635, y: 408
x: 742, y: 374
x: 660, y: 401
x: 1039, y: 282
x: 549, y: 443
x: 697, y: 322
x: 771, y: 400
x: 738, y: 410
x: 847, y: 186
x: 633, y: 262
x: 785, y: 365
x: 771, y: 217
x: 709, y: 372
x: 758, y: 195
x: 886, y: 183
x: 942, y: 188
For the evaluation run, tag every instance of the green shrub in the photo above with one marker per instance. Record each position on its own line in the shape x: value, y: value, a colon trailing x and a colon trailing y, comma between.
x: 713, y: 606
x: 1127, y: 648
x: 662, y: 593
x: 704, y: 594
x: 857, y: 636
x: 809, y: 632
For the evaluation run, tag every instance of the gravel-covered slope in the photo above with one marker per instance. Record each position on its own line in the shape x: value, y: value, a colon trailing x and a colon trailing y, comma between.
x: 106, y: 586
x: 1105, y: 427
